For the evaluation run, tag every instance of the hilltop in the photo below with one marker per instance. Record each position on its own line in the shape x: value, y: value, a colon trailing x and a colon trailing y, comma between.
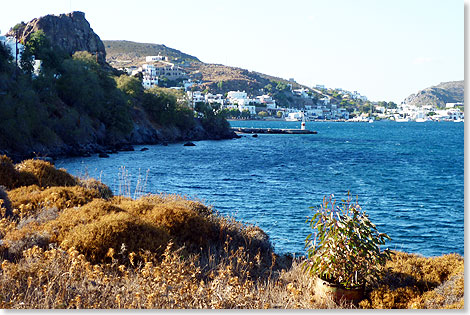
x: 439, y: 95
x: 123, y: 53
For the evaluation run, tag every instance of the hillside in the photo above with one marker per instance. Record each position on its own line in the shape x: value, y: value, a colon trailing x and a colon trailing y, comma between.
x: 122, y: 53
x: 445, y: 92
x: 77, y: 104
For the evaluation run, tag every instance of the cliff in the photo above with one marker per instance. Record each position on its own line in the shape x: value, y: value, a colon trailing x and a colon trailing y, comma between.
x: 71, y: 32
x: 439, y: 95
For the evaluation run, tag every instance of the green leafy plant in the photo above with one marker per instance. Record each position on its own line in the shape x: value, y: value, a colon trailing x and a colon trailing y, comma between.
x: 345, y: 247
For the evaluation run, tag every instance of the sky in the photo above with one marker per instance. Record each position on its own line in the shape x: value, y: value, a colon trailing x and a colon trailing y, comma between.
x: 384, y: 49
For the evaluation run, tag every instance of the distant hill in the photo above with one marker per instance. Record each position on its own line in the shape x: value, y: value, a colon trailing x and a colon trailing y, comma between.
x: 120, y: 53
x: 439, y: 95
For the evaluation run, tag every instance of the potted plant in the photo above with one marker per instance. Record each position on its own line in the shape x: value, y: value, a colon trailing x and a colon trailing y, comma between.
x: 344, y: 250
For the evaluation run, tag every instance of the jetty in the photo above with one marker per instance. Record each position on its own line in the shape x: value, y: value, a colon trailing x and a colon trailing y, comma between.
x: 273, y: 131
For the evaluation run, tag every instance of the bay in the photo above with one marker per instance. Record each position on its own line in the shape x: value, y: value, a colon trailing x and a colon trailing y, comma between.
x: 408, y: 177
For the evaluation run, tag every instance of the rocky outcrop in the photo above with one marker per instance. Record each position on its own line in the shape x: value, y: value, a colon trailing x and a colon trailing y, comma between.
x: 71, y: 32
x: 438, y: 95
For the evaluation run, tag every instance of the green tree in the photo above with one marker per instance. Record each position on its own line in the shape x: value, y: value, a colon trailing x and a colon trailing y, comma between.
x: 263, y: 114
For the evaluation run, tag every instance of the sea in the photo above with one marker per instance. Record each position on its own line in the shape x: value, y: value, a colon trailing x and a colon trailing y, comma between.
x: 408, y: 177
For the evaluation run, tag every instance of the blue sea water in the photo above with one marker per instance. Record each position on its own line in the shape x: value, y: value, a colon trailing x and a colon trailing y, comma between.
x: 409, y: 178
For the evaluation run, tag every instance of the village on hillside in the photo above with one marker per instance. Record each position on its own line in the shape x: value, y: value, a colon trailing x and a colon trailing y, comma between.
x: 238, y: 104
x: 263, y: 105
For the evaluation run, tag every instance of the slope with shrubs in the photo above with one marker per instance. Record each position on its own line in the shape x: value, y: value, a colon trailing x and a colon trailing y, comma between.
x: 76, y: 105
x: 67, y: 242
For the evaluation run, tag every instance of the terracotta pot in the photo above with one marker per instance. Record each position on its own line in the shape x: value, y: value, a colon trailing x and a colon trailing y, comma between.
x: 337, y: 293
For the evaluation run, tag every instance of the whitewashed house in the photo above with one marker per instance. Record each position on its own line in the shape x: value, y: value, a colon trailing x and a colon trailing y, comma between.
x: 214, y: 98
x: 250, y: 108
x: 155, y: 58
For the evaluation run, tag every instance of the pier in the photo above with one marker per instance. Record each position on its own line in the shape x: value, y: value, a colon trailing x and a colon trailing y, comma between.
x: 274, y: 131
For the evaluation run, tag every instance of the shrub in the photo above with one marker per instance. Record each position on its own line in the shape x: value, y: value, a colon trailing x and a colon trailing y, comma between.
x: 91, y: 183
x: 344, y: 249
x: 31, y: 199
x: 72, y: 217
x: 45, y: 173
x: 412, y: 281
x: 112, y: 231
x: 8, y: 174
x: 183, y: 224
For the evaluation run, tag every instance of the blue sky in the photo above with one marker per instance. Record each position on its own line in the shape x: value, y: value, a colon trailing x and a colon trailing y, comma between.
x: 384, y: 49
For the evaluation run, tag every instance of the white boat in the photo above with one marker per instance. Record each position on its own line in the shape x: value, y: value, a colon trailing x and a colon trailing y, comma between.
x: 402, y: 119
x: 371, y: 121
x: 459, y: 120
x: 420, y: 120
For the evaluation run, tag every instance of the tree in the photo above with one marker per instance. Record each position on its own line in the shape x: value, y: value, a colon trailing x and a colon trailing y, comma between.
x: 245, y: 114
x: 220, y: 84
x: 262, y: 114
x: 279, y: 114
x: 268, y: 87
x: 129, y: 85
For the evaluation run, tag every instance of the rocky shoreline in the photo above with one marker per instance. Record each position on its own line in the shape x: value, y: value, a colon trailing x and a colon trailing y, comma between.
x: 143, y: 134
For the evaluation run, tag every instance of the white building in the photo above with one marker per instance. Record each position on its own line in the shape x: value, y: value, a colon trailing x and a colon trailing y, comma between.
x: 214, y: 98
x: 324, y: 100
x: 167, y: 70
x: 452, y: 105
x: 236, y: 95
x: 11, y: 44
x: 301, y: 92
x: 156, y: 58
x: 196, y: 97
x: 250, y: 108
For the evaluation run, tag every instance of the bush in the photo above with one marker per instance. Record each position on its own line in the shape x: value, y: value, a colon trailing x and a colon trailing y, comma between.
x: 91, y: 183
x: 412, y: 281
x: 345, y: 248
x: 8, y: 174
x: 29, y: 200
x: 45, y: 173
x: 113, y: 231
x: 182, y: 224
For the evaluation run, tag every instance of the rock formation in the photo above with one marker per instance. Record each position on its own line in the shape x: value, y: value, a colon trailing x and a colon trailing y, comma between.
x: 71, y: 32
x: 438, y: 95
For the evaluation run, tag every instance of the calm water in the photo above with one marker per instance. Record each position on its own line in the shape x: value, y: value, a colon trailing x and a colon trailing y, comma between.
x: 409, y: 178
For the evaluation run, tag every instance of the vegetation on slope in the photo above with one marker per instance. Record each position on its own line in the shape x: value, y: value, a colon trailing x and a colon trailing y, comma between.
x: 74, y: 102
x: 67, y: 242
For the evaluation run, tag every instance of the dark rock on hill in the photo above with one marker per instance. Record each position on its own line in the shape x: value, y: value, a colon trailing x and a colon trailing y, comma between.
x: 71, y: 32
x: 439, y: 95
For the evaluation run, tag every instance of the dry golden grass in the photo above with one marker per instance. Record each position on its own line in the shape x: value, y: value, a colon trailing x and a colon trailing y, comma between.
x: 44, y: 173
x: 412, y: 281
x: 79, y: 247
